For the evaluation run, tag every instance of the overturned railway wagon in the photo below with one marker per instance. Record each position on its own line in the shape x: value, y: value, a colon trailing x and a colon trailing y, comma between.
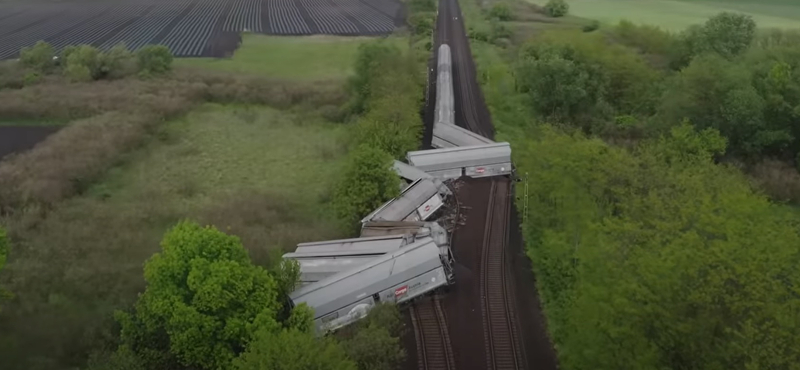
x: 473, y: 161
x: 418, y: 202
x: 319, y: 260
x: 397, y: 277
x: 446, y: 135
x: 418, y: 229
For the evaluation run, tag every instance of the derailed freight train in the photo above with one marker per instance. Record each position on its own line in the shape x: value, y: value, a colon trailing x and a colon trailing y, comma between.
x: 397, y: 277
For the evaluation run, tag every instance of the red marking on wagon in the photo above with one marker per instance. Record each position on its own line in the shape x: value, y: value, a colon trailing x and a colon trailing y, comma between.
x: 401, y: 291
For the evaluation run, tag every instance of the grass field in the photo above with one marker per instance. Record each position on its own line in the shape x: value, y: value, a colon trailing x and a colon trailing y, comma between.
x: 678, y: 14
x: 256, y: 172
x: 291, y: 57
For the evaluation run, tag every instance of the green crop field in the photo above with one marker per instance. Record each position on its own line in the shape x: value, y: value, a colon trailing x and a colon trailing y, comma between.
x: 678, y: 14
x: 290, y: 57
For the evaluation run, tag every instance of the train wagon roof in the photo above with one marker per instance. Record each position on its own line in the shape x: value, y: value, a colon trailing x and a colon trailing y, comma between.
x: 446, y: 135
x: 314, y: 269
x: 376, y: 228
x: 355, y: 246
x: 381, y: 273
x: 398, y: 209
x: 409, y: 173
x: 465, y: 156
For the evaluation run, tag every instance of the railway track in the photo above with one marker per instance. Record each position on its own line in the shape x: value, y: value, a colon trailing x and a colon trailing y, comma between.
x: 434, y: 351
x: 503, y: 350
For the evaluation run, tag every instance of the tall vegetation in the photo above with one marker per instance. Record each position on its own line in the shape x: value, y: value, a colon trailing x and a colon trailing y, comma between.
x: 4, y: 247
x: 389, y: 125
x: 654, y: 255
x: 366, y: 182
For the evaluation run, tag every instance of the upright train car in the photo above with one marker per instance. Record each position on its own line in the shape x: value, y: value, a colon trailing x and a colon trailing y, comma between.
x: 445, y: 106
x: 398, y: 277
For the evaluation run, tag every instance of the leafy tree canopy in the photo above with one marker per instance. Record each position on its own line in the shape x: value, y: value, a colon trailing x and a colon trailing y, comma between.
x: 203, y: 303
x: 366, y: 182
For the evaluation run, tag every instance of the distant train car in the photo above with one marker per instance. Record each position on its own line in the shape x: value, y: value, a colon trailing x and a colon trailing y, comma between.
x: 472, y: 161
x: 418, y: 202
x: 446, y: 135
x: 445, y: 107
x: 397, y: 277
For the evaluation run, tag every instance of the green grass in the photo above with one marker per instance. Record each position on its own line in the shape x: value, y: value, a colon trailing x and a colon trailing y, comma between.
x: 255, y: 172
x: 678, y: 14
x: 291, y: 57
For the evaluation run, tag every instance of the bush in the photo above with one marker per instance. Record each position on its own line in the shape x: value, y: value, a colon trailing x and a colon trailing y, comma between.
x: 40, y: 57
x: 556, y: 8
x: 374, y: 348
x: 422, y: 23
x: 392, y: 125
x: 499, y: 31
x: 31, y: 78
x: 367, y: 182
x: 154, y: 60
x: 78, y: 73
x: 591, y: 27
x: 415, y: 6
x: 500, y: 11
x: 292, y: 350
x: 372, y: 62
x: 117, y: 62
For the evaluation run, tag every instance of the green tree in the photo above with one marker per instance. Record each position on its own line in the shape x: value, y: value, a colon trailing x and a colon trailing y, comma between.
x: 715, y: 93
x: 39, y: 56
x: 292, y: 350
x: 374, y: 348
x: 729, y: 34
x: 154, y: 60
x: 659, y: 258
x: 83, y: 59
x: 500, y: 11
x: 203, y: 302
x: 117, y: 62
x: 372, y: 62
x: 556, y: 8
x: 392, y: 124
x: 367, y: 181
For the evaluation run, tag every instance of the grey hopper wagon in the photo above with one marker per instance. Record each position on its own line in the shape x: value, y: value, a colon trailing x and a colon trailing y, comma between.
x: 397, y: 277
x: 418, y: 229
x: 447, y: 136
x: 319, y: 260
x: 418, y: 202
x: 444, y: 110
x: 473, y: 161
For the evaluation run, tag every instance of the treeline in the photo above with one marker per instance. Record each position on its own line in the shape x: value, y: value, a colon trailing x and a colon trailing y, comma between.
x: 650, y: 254
x: 386, y: 97
x: 86, y: 63
x: 633, y: 82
